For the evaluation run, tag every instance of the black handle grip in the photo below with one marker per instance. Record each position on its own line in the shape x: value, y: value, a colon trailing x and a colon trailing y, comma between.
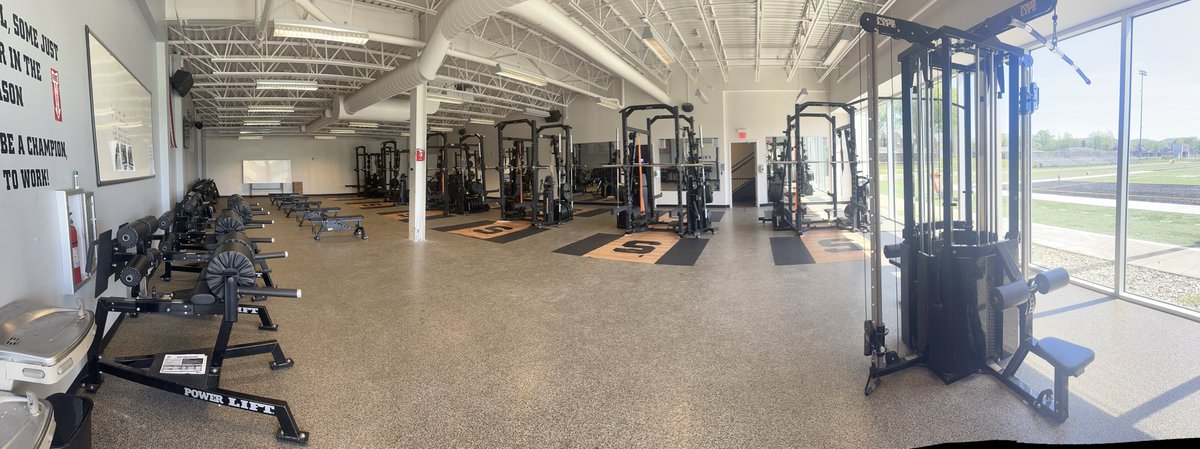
x: 265, y: 256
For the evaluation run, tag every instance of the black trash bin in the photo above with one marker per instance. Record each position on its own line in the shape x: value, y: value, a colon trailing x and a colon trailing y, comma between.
x: 73, y: 421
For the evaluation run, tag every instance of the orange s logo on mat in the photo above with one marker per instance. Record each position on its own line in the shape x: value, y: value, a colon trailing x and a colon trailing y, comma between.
x: 840, y: 245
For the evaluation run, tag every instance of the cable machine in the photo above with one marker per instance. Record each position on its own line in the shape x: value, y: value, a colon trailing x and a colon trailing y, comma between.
x: 438, y: 196
x: 395, y: 178
x: 965, y: 306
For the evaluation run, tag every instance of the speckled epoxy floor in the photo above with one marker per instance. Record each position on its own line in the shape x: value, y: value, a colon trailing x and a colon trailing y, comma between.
x: 459, y: 342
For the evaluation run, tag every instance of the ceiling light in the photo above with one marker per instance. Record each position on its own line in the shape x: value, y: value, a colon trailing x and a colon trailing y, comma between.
x: 309, y: 29
x: 325, y: 137
x: 364, y: 125
x: 285, y: 85
x: 539, y: 113
x: 803, y: 96
x: 341, y: 131
x: 250, y: 137
x: 261, y: 123
x: 441, y: 129
x: 440, y: 98
x: 657, y: 44
x: 482, y: 121
x: 256, y: 131
x: 838, y: 48
x: 405, y: 134
x: 611, y: 103
x: 271, y: 109
x: 702, y: 96
x: 519, y: 74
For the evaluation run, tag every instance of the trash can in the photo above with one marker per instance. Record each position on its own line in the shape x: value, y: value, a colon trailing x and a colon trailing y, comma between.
x: 73, y: 421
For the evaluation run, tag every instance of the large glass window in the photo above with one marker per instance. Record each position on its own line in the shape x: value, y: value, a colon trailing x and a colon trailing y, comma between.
x: 1163, y: 238
x: 1074, y: 157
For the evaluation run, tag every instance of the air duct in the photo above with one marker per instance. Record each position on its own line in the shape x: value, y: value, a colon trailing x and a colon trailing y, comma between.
x: 394, y: 110
x: 457, y: 18
x: 553, y: 21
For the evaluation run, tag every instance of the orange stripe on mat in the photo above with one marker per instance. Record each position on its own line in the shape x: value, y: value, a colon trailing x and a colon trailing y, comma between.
x: 493, y: 230
x: 833, y: 245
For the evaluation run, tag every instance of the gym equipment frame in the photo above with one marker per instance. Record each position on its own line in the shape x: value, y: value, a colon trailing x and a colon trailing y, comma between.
x: 557, y: 191
x: 965, y: 306
x: 518, y: 167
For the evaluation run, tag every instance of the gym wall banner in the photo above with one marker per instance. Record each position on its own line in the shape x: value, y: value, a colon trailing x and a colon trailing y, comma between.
x: 28, y: 88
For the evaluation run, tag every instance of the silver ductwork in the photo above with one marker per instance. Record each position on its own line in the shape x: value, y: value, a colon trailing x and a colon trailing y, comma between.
x: 457, y: 18
x: 554, y: 22
x: 394, y: 110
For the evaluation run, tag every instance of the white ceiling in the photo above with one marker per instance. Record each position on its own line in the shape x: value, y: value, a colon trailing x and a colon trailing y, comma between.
x: 782, y: 35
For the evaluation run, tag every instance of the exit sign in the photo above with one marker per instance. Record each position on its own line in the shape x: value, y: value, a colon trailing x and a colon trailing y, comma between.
x: 742, y: 134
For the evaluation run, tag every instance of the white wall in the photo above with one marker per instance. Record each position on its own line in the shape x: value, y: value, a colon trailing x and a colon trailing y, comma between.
x: 30, y: 244
x: 324, y: 166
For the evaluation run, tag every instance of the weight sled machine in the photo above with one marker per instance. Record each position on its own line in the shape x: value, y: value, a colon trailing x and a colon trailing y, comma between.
x: 965, y: 305
x: 229, y: 275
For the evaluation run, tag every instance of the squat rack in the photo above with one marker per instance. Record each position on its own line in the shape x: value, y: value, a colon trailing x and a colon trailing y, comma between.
x: 517, y: 162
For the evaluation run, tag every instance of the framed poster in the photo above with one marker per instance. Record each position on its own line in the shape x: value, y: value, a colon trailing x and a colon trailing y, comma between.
x: 122, y: 124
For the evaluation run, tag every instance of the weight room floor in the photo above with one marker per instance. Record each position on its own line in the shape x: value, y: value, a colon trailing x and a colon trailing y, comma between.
x: 464, y: 342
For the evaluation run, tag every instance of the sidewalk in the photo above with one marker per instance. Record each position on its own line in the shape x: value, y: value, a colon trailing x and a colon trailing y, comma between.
x: 1157, y: 256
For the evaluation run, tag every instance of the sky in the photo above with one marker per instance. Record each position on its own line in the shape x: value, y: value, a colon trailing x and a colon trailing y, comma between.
x: 1164, y: 44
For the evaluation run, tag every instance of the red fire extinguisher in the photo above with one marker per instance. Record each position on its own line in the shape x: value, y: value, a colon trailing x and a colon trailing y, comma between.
x: 76, y: 273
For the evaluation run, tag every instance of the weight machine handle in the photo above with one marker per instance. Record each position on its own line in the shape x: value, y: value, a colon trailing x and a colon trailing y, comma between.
x: 265, y: 256
x: 273, y: 292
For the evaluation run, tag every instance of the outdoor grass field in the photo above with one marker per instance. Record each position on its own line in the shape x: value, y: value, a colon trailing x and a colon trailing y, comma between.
x: 1156, y: 171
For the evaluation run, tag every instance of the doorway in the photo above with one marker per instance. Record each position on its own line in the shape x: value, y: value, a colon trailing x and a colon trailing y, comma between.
x: 744, y: 157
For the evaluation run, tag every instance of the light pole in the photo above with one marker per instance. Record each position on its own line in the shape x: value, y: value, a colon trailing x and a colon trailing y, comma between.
x: 1142, y: 112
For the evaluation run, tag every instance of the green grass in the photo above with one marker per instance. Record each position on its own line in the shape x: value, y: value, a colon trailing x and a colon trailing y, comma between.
x: 1191, y: 301
x: 1162, y: 227
x: 1179, y: 172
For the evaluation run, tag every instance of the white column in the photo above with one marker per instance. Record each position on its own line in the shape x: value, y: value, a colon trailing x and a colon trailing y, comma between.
x: 416, y: 179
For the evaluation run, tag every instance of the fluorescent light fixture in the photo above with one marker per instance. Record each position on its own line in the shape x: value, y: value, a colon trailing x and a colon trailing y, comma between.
x: 520, y: 74
x: 261, y: 123
x: 656, y: 43
x: 482, y: 121
x: 803, y: 96
x: 440, y: 98
x: 364, y: 125
x: 611, y: 103
x: 341, y: 131
x: 256, y: 131
x: 285, y: 84
x: 702, y: 96
x: 839, y: 48
x: 250, y: 137
x: 309, y: 29
x: 325, y: 137
x: 539, y: 113
x: 441, y: 129
x: 405, y: 134
x: 271, y: 109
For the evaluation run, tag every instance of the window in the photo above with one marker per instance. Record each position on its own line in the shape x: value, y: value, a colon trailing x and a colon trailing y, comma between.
x: 1074, y: 157
x: 1162, y: 245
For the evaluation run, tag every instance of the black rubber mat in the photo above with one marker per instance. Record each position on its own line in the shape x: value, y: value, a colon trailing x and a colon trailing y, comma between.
x: 385, y: 206
x: 363, y: 201
x: 790, y: 251
x: 588, y: 245
x: 462, y: 226
x: 716, y: 215
x: 593, y: 212
x: 389, y: 212
x: 685, y: 253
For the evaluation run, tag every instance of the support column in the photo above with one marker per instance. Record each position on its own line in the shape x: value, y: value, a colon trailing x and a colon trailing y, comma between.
x: 416, y: 179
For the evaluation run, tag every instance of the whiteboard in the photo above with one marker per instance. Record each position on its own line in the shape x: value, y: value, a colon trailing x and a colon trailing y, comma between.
x: 266, y: 172
x: 121, y: 118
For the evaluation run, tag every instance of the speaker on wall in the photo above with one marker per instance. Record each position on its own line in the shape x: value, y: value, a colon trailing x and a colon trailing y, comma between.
x: 555, y: 115
x: 181, y: 82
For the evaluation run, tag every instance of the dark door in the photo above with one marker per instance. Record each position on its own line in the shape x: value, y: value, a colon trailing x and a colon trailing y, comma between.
x: 743, y: 170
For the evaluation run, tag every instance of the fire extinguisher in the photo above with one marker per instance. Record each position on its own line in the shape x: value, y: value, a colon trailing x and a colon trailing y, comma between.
x: 76, y: 273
